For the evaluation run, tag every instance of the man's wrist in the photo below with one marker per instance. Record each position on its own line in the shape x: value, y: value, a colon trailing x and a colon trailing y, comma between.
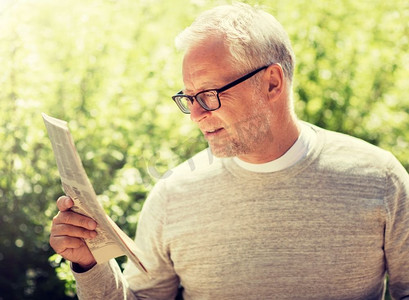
x: 78, y: 268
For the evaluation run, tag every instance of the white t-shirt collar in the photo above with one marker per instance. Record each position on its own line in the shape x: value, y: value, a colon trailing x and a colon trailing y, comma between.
x: 301, y: 147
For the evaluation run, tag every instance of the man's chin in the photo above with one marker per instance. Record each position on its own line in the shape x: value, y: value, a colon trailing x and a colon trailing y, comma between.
x: 224, y: 151
x: 220, y: 154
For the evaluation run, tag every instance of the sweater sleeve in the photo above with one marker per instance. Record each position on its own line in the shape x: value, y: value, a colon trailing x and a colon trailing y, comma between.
x: 106, y: 281
x: 103, y: 281
x: 154, y: 251
x: 397, y: 230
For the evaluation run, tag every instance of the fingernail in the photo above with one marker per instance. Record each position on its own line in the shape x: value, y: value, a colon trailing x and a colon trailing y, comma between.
x: 93, y: 234
x: 67, y: 201
x: 92, y: 225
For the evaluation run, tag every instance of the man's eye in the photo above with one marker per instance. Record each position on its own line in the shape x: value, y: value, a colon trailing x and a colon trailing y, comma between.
x: 209, y: 95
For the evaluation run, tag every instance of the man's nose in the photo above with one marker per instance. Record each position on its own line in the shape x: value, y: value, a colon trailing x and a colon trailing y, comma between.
x: 197, y: 113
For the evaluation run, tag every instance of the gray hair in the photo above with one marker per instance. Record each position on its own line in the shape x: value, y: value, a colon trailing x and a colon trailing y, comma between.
x: 254, y: 37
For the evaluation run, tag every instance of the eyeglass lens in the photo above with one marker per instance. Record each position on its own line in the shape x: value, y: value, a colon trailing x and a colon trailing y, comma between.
x: 207, y: 99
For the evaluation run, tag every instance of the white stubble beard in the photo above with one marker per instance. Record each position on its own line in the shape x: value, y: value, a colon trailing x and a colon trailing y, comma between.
x: 246, y: 136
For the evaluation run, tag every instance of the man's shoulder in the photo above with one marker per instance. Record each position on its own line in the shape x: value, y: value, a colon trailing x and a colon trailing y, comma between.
x: 342, y: 141
x: 348, y: 150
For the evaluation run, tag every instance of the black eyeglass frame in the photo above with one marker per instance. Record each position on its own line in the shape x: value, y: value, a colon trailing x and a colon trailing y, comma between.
x: 218, y: 91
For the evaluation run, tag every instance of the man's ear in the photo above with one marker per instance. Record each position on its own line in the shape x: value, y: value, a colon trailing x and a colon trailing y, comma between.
x: 275, y: 81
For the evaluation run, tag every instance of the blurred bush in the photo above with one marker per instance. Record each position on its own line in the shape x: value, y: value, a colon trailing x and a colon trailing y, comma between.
x: 109, y: 69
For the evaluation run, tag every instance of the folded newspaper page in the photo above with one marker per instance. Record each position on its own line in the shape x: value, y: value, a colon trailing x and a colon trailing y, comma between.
x: 111, y: 241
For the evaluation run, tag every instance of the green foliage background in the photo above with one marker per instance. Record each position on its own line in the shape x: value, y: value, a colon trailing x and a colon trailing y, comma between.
x: 109, y: 68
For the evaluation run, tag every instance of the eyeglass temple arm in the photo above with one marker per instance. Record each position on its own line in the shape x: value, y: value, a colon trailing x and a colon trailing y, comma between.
x: 236, y: 82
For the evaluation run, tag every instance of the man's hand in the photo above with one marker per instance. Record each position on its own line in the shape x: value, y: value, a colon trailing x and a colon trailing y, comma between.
x: 68, y: 231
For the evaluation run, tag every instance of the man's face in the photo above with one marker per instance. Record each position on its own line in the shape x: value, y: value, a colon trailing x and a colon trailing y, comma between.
x: 241, y: 125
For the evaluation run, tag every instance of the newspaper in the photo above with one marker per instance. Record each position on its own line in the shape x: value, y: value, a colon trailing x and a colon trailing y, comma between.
x: 111, y: 241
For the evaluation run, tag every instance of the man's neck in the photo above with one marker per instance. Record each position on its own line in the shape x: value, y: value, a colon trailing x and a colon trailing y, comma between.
x: 283, y: 139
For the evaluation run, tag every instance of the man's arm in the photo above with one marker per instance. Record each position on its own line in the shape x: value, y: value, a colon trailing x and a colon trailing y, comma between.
x: 397, y: 231
x: 68, y: 232
x: 106, y: 281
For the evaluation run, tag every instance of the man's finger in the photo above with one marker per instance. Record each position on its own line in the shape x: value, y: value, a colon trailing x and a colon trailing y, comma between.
x: 64, y: 203
x: 72, y: 231
x: 61, y: 243
x: 72, y: 218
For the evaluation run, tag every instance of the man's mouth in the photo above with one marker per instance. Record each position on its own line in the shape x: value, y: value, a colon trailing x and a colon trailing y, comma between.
x: 212, y: 132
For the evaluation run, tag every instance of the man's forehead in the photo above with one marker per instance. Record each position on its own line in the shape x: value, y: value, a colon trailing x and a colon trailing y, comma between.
x: 207, y: 65
x: 192, y: 87
x: 212, y: 50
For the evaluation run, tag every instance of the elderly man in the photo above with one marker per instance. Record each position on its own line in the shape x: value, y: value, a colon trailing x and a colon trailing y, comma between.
x: 285, y: 210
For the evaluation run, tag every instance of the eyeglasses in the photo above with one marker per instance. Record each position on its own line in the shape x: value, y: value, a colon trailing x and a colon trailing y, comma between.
x: 209, y: 99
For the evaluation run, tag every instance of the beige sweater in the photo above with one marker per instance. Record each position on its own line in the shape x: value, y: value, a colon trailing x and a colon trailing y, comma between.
x: 329, y: 227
